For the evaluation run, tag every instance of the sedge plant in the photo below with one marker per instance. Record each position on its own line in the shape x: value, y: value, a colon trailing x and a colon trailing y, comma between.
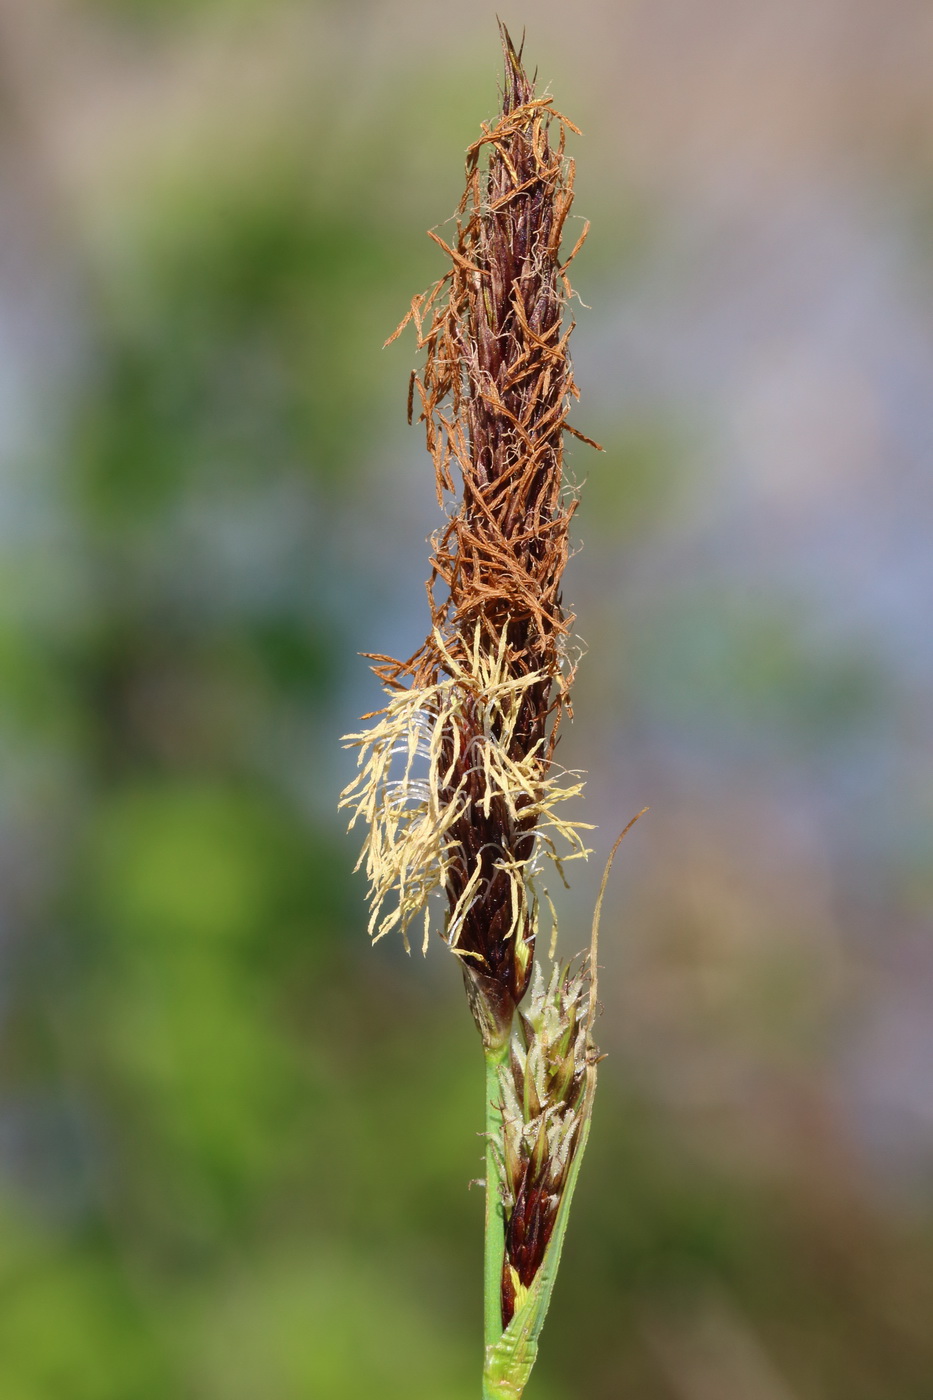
x: 463, y: 802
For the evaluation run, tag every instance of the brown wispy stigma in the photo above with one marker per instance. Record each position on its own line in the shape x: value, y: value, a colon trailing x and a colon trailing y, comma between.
x: 478, y: 706
x: 543, y: 1091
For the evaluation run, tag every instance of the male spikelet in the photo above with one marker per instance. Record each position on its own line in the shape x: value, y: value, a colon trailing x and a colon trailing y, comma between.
x: 457, y: 780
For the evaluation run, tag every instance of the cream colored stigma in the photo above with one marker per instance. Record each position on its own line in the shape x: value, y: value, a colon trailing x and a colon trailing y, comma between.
x: 404, y: 792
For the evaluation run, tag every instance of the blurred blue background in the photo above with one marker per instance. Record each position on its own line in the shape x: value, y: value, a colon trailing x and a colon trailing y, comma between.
x: 235, y: 1142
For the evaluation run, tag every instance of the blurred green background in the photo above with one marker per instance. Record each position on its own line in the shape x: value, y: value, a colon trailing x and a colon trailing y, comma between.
x: 235, y: 1142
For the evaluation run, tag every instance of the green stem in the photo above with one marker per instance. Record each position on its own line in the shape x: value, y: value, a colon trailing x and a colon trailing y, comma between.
x: 495, y: 1230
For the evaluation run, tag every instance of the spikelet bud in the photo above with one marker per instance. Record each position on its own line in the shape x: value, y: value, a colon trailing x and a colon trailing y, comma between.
x: 544, y: 1088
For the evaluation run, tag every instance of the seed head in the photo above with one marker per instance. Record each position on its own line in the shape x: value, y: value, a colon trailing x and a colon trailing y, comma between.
x: 457, y: 779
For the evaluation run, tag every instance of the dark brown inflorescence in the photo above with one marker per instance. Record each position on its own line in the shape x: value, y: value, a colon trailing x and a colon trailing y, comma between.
x: 495, y: 394
x: 480, y: 703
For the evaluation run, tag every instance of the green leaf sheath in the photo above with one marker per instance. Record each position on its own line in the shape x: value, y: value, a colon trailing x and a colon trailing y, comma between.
x: 511, y: 1356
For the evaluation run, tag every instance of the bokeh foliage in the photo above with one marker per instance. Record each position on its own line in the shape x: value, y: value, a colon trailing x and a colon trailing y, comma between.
x: 230, y: 1168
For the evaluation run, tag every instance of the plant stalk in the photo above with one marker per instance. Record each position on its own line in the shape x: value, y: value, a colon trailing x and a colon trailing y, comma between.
x: 494, y: 1245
